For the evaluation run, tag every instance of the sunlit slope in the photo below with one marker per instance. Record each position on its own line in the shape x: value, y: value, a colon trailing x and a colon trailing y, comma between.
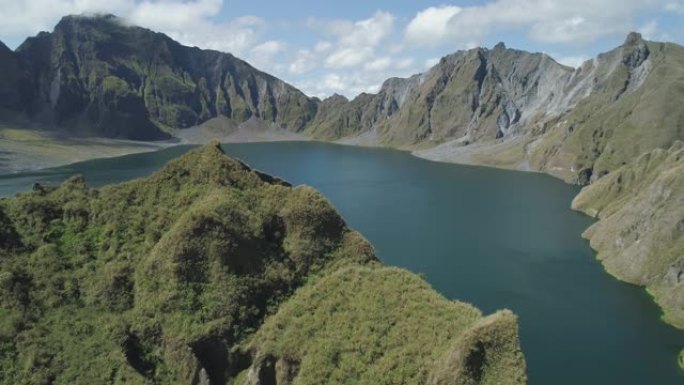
x: 169, y: 279
x: 640, y: 233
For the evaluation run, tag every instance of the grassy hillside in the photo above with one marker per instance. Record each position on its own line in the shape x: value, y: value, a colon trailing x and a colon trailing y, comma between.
x: 640, y: 233
x: 374, y: 323
x: 166, y: 280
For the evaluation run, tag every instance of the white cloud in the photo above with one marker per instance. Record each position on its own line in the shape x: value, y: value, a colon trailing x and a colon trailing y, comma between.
x: 369, y: 32
x: 571, y: 61
x: 356, y: 41
x: 237, y: 36
x: 28, y: 17
x: 189, y: 21
x: 649, y: 30
x: 323, y: 46
x: 404, y: 63
x: 268, y: 49
x: 304, y: 62
x: 346, y: 57
x: 173, y: 15
x: 549, y: 21
x: 431, y: 62
x: 356, y: 56
x: 263, y: 55
x: 396, y: 48
x: 379, y: 64
x: 333, y: 82
x: 675, y: 6
x: 362, y: 53
x: 349, y: 84
x: 352, y: 83
x: 430, y: 26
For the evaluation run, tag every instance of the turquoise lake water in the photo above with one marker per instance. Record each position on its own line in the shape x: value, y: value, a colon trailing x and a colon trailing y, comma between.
x: 494, y: 238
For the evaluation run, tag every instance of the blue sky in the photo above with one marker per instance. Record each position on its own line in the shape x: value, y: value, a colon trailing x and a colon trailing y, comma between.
x: 349, y: 47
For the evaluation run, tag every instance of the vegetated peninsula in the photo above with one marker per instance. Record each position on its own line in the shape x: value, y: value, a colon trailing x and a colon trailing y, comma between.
x: 208, y: 272
x: 499, y: 107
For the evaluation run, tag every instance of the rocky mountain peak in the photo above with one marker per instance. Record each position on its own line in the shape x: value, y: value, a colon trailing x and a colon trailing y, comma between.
x: 89, y: 19
x: 12, y: 80
x: 500, y: 46
x: 97, y: 75
x: 635, y: 50
x: 633, y: 38
x: 83, y: 24
x: 336, y: 98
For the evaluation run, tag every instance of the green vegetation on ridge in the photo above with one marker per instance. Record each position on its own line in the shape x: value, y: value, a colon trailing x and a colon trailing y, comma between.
x: 499, y: 106
x: 375, y: 323
x: 169, y: 279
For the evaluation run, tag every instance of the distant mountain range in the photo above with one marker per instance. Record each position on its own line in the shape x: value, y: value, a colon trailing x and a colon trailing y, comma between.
x: 97, y: 76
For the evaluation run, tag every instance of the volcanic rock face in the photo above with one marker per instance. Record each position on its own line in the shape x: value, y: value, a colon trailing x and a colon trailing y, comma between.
x: 13, y: 81
x: 97, y: 76
x: 509, y: 108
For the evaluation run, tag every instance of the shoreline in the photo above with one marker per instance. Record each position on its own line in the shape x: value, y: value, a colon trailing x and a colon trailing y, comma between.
x: 26, y: 150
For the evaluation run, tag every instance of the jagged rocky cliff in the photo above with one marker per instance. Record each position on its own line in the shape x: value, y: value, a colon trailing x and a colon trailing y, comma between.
x: 97, y: 76
x: 12, y: 81
x: 208, y: 273
x: 509, y: 108
x: 632, y: 109
x: 472, y: 96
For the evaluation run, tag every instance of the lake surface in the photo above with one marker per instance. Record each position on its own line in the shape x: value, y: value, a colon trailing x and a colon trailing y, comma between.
x: 494, y: 238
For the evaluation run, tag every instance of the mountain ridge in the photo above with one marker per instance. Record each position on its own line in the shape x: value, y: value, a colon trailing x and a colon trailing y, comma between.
x: 166, y: 280
x: 497, y: 107
x: 500, y: 107
x: 503, y: 107
x: 97, y: 76
x: 639, y: 233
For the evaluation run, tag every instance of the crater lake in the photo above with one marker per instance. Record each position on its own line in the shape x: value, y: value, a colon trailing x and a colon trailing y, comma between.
x: 494, y: 238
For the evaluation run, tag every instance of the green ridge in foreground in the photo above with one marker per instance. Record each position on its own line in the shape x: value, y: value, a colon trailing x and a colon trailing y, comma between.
x: 385, y: 325
x: 208, y: 272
